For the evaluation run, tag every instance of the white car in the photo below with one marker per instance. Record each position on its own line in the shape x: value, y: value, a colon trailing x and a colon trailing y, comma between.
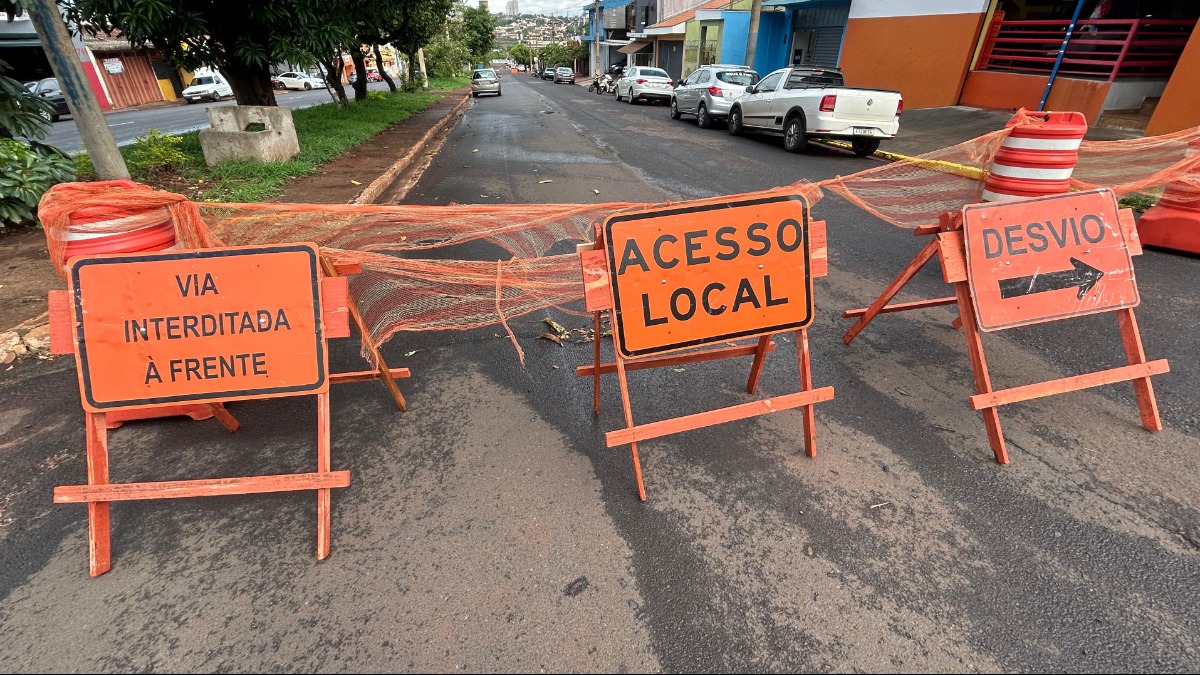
x: 207, y: 87
x: 813, y: 102
x: 642, y: 83
x: 300, y: 81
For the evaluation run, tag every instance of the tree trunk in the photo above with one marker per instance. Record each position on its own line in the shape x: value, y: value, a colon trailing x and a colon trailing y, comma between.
x: 333, y: 75
x: 412, y: 66
x: 251, y: 82
x: 360, y: 67
x: 383, y: 71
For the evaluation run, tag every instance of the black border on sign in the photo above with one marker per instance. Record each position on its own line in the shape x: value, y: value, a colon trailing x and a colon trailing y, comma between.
x: 657, y: 213
x: 1137, y: 300
x: 297, y: 389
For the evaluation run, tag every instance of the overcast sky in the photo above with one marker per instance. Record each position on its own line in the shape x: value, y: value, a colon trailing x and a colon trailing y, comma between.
x: 571, y: 7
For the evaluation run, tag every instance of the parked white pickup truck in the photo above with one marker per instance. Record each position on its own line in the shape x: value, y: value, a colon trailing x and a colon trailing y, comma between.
x: 807, y: 102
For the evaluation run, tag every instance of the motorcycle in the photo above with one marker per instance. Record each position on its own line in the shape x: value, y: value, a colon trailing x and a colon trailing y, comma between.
x: 607, y: 85
x: 595, y: 85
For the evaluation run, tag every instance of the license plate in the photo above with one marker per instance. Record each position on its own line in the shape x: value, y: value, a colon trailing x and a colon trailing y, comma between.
x: 864, y: 131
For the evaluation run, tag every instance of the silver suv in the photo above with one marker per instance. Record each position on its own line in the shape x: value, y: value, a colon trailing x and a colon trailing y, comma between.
x: 709, y: 91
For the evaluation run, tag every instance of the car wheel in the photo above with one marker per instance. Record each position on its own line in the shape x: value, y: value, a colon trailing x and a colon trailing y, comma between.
x: 674, y: 109
x: 865, y: 146
x: 702, y: 119
x: 474, y: 94
x: 735, y: 122
x: 794, y: 139
x: 307, y: 86
x: 189, y: 101
x: 497, y: 92
x: 216, y: 98
x: 629, y: 97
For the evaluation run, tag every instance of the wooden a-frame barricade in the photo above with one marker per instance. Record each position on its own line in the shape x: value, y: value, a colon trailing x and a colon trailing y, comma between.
x: 337, y: 309
x: 197, y: 412
x: 598, y: 299
x: 947, y: 243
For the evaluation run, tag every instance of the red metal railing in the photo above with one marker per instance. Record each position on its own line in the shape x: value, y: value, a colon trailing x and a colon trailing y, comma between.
x: 1104, y: 48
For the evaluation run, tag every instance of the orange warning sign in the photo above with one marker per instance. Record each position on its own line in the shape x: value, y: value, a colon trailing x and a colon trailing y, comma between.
x: 684, y: 277
x: 1037, y: 260
x: 200, y: 326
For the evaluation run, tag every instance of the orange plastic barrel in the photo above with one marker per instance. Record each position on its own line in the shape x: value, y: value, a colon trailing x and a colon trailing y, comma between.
x: 107, y: 232
x: 1036, y: 158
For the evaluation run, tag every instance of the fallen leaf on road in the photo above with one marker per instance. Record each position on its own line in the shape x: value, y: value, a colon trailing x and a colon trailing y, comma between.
x: 809, y: 551
x: 555, y: 325
x: 475, y: 150
x: 412, y: 352
x: 554, y: 366
x: 356, y: 182
x: 545, y: 181
x: 902, y: 392
x: 551, y: 337
x: 679, y: 370
x: 943, y: 428
x: 875, y: 506
x: 596, y: 191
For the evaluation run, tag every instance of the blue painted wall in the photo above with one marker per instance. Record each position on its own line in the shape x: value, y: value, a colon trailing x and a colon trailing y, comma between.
x: 774, y: 31
x: 733, y: 36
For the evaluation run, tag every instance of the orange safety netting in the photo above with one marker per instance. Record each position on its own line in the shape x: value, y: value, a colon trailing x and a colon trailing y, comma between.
x: 915, y: 191
x: 396, y: 292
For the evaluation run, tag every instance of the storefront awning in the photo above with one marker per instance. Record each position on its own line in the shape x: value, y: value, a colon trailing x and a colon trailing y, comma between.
x: 17, y: 33
x: 635, y: 46
x: 608, y: 4
x: 784, y: 3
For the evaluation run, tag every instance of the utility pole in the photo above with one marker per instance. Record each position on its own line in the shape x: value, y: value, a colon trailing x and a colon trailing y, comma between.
x: 93, y: 130
x: 596, y: 40
x: 421, y: 61
x: 752, y: 38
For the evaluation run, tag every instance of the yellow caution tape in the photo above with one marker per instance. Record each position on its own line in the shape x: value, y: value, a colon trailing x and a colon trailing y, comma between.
x: 972, y: 172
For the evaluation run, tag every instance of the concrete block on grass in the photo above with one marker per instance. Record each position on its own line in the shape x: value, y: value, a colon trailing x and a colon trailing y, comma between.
x: 248, y: 132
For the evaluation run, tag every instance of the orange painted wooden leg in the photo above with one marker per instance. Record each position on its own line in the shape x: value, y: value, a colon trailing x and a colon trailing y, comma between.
x: 810, y: 415
x: 385, y: 373
x: 637, y: 462
x: 223, y: 416
x: 99, y: 556
x: 596, y: 362
x: 324, y: 500
x: 1131, y: 339
x: 983, y: 380
x: 760, y: 354
x: 892, y: 289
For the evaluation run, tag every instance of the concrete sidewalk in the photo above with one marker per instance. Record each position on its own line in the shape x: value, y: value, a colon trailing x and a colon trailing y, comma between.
x: 927, y: 129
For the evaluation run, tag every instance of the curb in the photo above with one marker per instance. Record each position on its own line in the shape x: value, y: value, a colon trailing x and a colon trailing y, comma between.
x: 377, y: 186
x: 934, y: 164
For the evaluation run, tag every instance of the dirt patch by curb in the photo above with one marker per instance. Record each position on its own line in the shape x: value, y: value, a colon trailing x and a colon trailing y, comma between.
x: 334, y: 182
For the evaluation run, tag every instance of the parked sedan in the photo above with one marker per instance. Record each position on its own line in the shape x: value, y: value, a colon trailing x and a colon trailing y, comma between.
x: 294, y: 80
x: 485, y: 81
x: 642, y: 83
x: 709, y: 91
x: 564, y: 75
x: 48, y: 89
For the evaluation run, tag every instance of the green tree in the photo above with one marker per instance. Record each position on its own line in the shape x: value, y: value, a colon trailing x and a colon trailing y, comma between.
x: 27, y: 167
x: 479, y: 31
x: 242, y: 39
x: 407, y: 24
x: 521, y: 54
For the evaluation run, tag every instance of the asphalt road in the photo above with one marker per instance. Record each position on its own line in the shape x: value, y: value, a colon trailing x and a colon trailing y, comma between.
x: 490, y: 529
x: 129, y: 125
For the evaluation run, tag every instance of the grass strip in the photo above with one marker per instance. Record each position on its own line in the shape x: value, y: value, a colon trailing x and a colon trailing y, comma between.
x: 324, y: 131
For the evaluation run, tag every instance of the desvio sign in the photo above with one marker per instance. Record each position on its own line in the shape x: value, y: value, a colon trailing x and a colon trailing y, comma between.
x: 198, y: 326
x: 686, y: 277
x: 1035, y: 260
